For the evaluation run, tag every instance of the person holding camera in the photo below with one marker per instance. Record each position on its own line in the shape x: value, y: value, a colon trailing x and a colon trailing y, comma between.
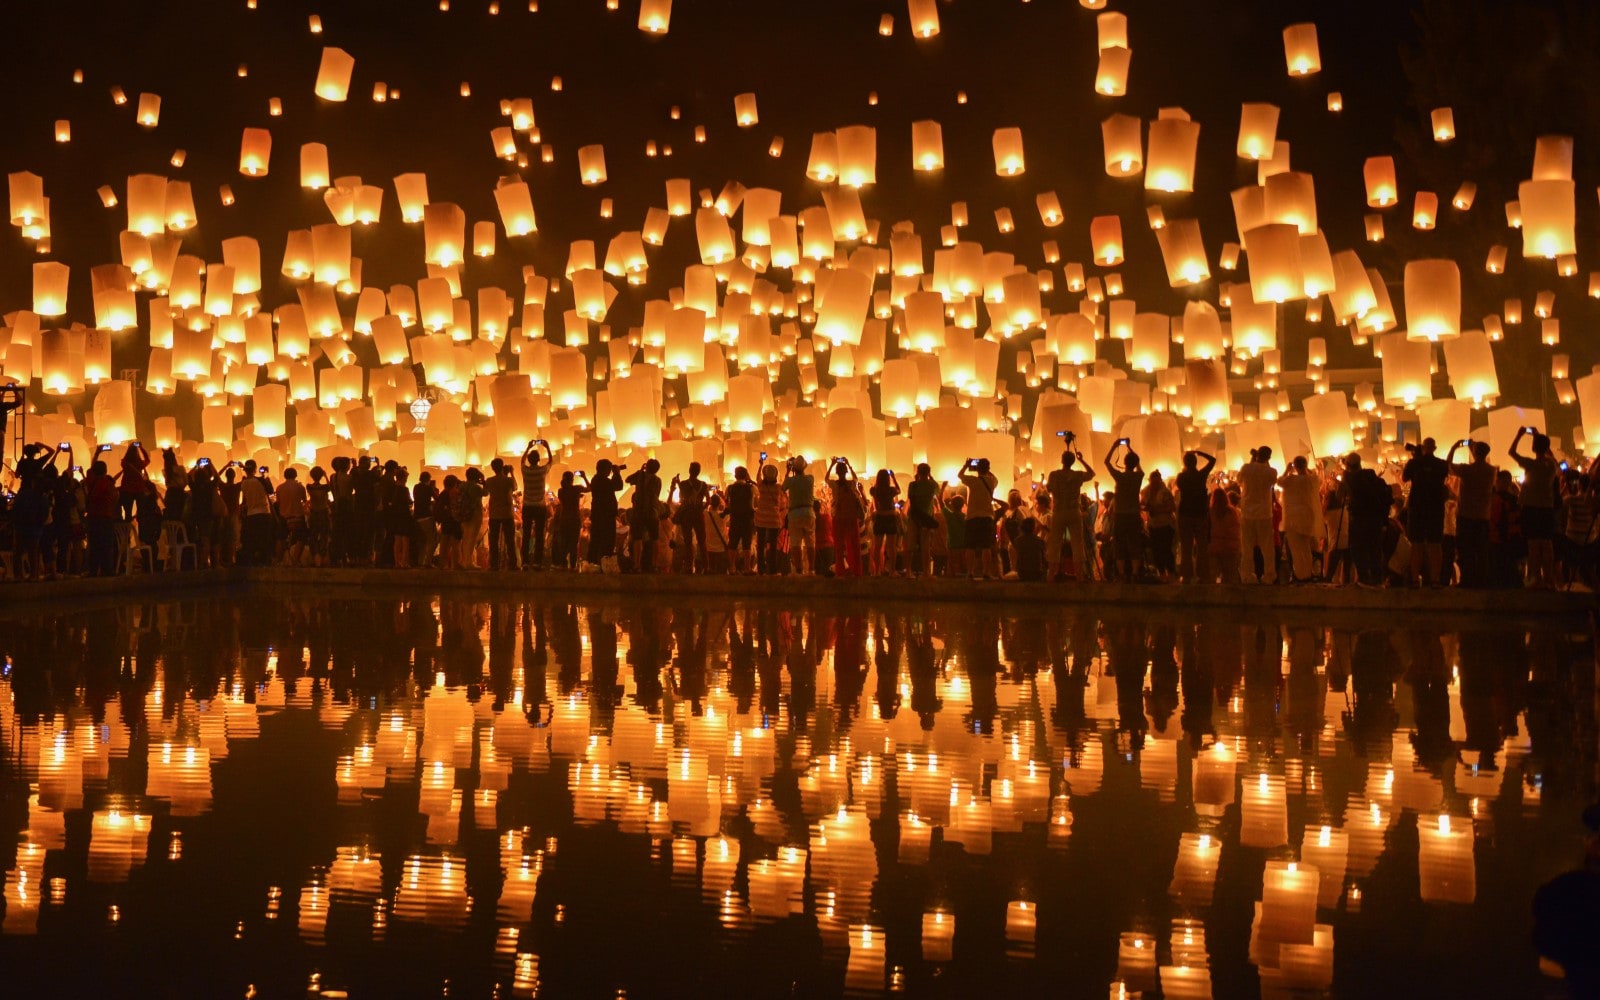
x: 1065, y: 486
x: 1538, y: 500
x: 1257, y: 478
x: 1194, y: 517
x: 644, y: 522
x: 603, y: 490
x: 847, y: 508
x: 1426, y: 472
x: 501, y: 490
x: 980, y: 534
x: 1127, y: 522
x: 801, y: 489
x: 1302, y: 517
x: 1474, y: 490
x: 535, y: 510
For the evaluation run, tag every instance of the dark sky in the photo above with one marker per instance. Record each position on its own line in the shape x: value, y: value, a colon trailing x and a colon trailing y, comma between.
x: 811, y: 65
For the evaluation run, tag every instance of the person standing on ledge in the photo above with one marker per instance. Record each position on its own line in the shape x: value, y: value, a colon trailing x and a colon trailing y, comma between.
x: 1194, y: 517
x: 603, y: 490
x: 502, y: 529
x: 535, y: 512
x: 1538, y: 499
x: 979, y: 530
x: 923, y: 494
x: 1065, y: 486
x: 1127, y: 524
x: 741, y: 521
x: 644, y: 523
x: 847, y: 507
x: 1474, y: 488
x: 1426, y: 472
x: 691, y: 517
x: 1257, y: 477
x: 801, y: 488
x: 1302, y: 517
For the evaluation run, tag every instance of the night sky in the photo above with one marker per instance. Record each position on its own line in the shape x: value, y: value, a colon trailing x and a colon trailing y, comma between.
x: 811, y: 66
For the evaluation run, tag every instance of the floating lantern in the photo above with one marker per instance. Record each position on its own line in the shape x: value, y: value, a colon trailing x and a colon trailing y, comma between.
x: 1170, y: 157
x: 1548, y: 208
x: 1008, y: 158
x: 1258, y: 130
x: 333, y: 74
x: 1300, y: 51
x: 655, y: 16
x: 1111, y: 75
x: 1378, y: 172
x: 1124, y: 148
x: 592, y: 165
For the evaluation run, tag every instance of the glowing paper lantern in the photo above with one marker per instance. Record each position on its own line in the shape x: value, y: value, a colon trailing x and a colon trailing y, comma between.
x: 1105, y: 235
x: 1378, y: 172
x: 1111, y: 75
x: 1300, y: 49
x: 1548, y: 208
x: 255, y: 151
x: 858, y: 155
x: 1469, y: 361
x: 1169, y: 164
x: 50, y: 288
x: 927, y: 145
x: 655, y: 16
x: 1122, y: 136
x: 1183, y: 252
x: 1274, y: 254
x: 1433, y: 299
x: 1328, y: 423
x: 1008, y: 158
x: 1258, y: 130
x: 333, y: 74
x: 924, y: 15
x: 1407, y: 370
x: 444, y: 233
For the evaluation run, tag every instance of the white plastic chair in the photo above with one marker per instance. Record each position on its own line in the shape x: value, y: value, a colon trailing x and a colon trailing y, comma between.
x: 175, y: 542
x: 133, y: 556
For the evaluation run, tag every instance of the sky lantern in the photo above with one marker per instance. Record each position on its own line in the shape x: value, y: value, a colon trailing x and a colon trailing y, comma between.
x: 333, y: 74
x: 1210, y: 402
x: 50, y: 288
x: 1407, y: 370
x: 655, y: 16
x: 1378, y: 173
x: 1258, y: 130
x: 1548, y: 217
x: 1433, y: 299
x: 1111, y: 30
x: 1469, y: 361
x: 1273, y: 251
x: 1169, y: 165
x: 1105, y: 235
x: 592, y: 164
x: 314, y: 172
x: 842, y: 309
x: 412, y: 191
x: 515, y: 202
x: 1183, y: 252
x: 1111, y: 75
x: 1122, y: 136
x: 858, y: 155
x: 1008, y: 158
x: 444, y: 229
x: 1425, y: 210
x: 1300, y: 50
x: 148, y: 112
x: 924, y: 16
x: 927, y: 145
x: 823, y: 164
x: 1552, y: 158
x: 744, y: 110
x: 1443, y: 121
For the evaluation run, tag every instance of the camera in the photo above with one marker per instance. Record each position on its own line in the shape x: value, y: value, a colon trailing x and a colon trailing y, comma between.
x: 1412, y: 449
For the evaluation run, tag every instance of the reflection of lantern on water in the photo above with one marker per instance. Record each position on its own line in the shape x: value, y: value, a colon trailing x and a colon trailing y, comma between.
x: 1185, y: 982
x: 776, y: 884
x: 938, y: 936
x: 916, y: 837
x: 1306, y: 966
x: 24, y: 890
x: 1288, y: 908
x: 433, y: 890
x: 1445, y: 860
x: 864, y: 967
x: 1326, y: 851
x: 1022, y: 924
x: 1366, y: 826
x: 181, y: 775
x: 1136, y: 961
x: 1194, y: 874
x: 117, y: 842
x: 1188, y: 940
x: 1263, y: 811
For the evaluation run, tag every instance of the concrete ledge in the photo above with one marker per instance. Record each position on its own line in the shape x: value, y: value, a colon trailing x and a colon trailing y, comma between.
x: 1498, y: 604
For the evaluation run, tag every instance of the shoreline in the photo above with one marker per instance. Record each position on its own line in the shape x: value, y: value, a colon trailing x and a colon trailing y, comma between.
x: 1229, y: 598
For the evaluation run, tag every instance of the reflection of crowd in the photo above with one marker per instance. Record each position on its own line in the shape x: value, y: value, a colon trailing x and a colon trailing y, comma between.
x: 1456, y: 519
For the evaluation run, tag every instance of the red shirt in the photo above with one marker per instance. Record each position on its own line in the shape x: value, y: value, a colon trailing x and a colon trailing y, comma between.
x: 102, y: 499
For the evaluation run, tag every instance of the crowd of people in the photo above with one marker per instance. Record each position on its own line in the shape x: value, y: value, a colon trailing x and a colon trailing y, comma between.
x: 1452, y: 520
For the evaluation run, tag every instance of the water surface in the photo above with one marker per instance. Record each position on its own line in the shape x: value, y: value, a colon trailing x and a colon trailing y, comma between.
x: 397, y: 797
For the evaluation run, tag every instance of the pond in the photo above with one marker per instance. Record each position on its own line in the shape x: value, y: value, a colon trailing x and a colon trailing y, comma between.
x: 272, y: 795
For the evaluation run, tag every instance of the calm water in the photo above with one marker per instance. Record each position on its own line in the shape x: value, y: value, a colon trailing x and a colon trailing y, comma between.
x: 396, y: 797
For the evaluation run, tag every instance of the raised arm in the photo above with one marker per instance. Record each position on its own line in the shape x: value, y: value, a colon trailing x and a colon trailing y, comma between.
x: 1110, y: 452
x: 1209, y: 460
x: 1085, y: 463
x: 1521, y: 433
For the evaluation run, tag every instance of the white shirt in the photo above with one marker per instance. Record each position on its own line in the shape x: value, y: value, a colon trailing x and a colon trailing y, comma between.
x: 1302, y: 503
x: 1256, y: 480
